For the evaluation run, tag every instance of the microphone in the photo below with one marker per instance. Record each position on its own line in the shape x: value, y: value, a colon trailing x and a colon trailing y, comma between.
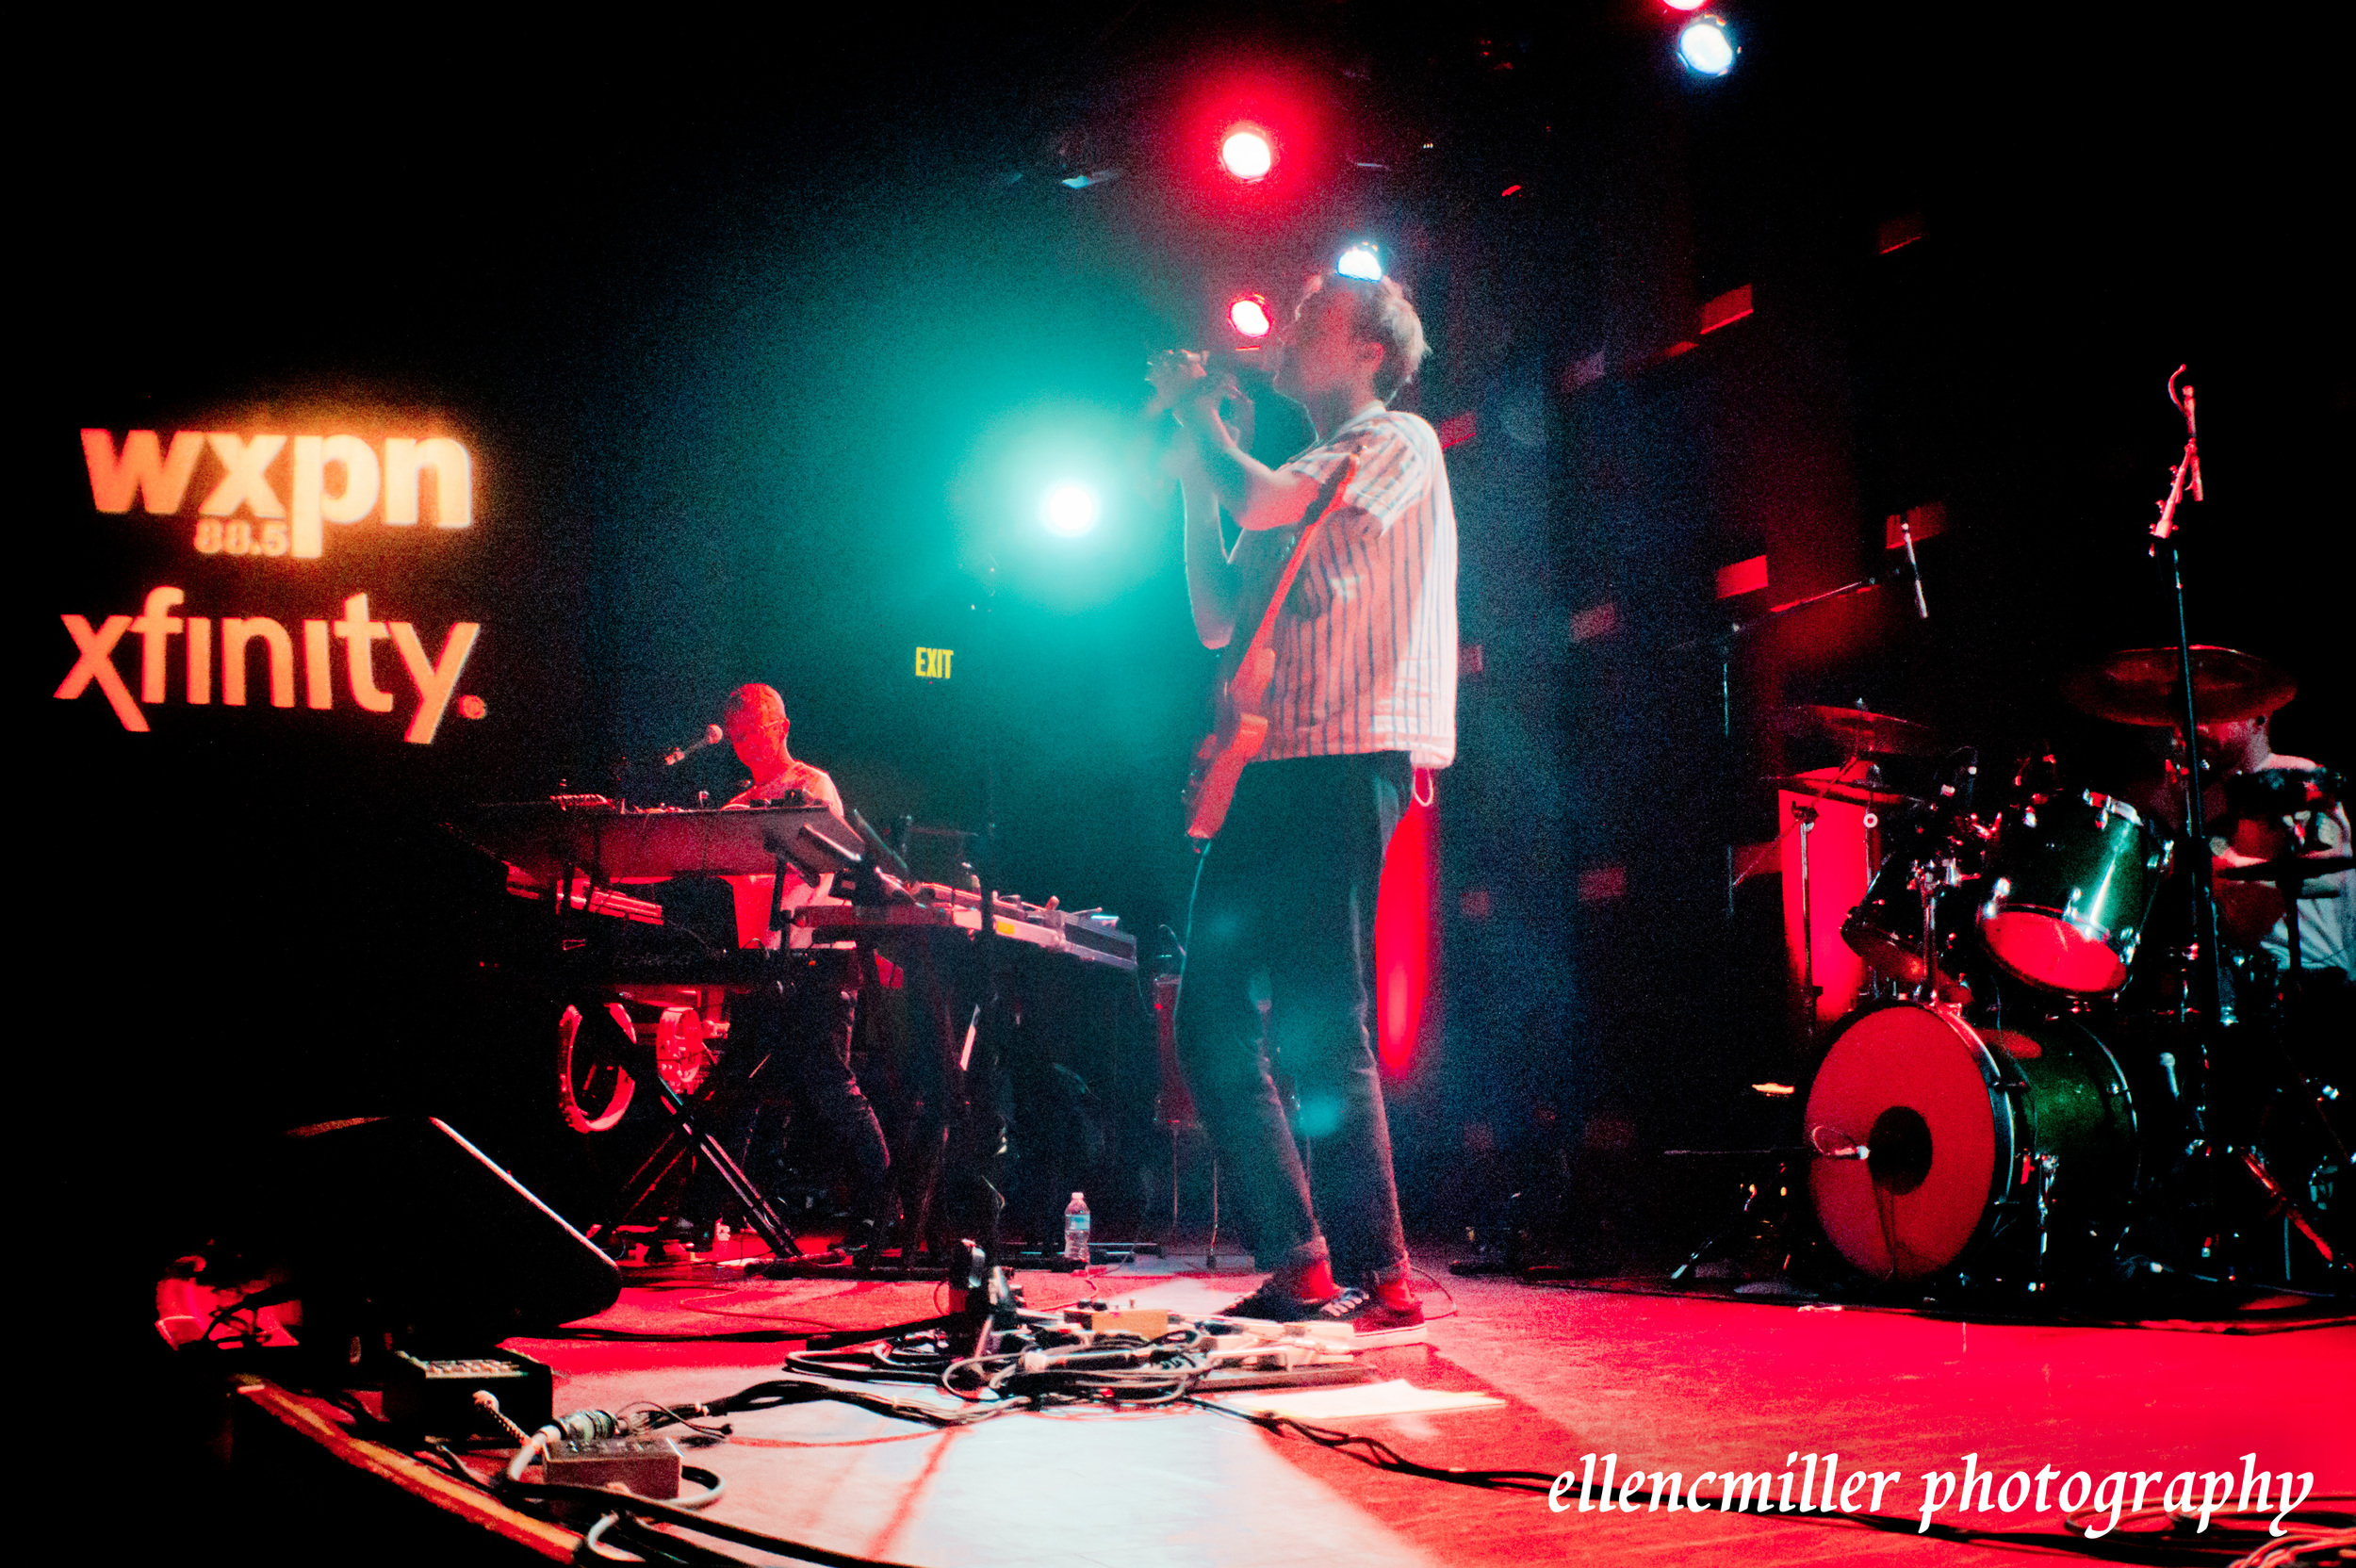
x: 1914, y: 568
x: 713, y: 735
x: 1842, y: 1145
x: 2192, y: 433
x: 1219, y: 367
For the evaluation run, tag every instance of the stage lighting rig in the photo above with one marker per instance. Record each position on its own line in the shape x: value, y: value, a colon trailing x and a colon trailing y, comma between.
x: 1069, y: 509
x: 1247, y: 151
x: 1705, y: 46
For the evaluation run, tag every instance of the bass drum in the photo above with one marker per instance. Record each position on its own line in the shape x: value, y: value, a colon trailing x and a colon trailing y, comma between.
x: 1940, y: 1145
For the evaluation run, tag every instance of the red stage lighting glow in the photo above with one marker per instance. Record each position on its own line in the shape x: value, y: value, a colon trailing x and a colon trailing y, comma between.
x: 1257, y: 139
x: 1249, y: 316
x: 1406, y: 940
x: 1685, y: 5
x: 1247, y: 152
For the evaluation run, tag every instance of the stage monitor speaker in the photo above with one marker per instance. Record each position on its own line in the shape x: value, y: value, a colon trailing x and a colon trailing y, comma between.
x: 400, y: 1224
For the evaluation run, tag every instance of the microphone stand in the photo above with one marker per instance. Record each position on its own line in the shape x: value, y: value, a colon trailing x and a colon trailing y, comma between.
x: 974, y: 1213
x: 1723, y: 644
x: 2208, y: 974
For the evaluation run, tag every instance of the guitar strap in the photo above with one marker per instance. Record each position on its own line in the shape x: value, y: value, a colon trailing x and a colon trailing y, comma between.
x: 1327, y: 500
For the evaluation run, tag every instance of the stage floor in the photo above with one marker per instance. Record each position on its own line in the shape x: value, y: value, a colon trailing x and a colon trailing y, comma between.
x: 1663, y: 1382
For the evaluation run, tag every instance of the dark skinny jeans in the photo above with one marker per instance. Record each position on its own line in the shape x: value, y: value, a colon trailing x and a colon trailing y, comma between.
x: 1287, y: 889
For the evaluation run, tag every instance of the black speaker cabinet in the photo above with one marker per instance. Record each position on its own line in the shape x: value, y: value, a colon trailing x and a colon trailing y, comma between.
x: 399, y: 1224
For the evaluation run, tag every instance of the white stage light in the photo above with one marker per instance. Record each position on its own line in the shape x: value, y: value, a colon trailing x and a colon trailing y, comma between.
x: 1706, y: 47
x: 1069, y: 509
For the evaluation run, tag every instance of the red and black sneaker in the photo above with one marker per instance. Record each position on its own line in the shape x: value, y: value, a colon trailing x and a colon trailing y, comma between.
x: 1373, y: 1321
x: 1268, y: 1304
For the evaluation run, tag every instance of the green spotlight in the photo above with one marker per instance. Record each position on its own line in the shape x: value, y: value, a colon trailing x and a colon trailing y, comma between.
x: 1069, y: 509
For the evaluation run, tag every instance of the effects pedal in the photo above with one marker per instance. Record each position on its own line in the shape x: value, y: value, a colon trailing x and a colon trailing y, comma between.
x: 436, y: 1396
x: 648, y: 1466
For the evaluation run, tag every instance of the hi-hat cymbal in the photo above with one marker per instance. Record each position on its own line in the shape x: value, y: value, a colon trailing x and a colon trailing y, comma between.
x: 1861, y: 732
x: 1852, y: 791
x: 2146, y: 686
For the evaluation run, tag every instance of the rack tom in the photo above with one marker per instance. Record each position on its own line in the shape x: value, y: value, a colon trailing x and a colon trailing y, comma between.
x: 1933, y: 863
x: 2070, y: 883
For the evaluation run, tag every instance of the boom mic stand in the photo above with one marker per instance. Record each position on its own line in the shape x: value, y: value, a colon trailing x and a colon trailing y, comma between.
x: 2208, y: 968
x: 984, y: 1129
x: 1723, y: 644
x: 2209, y: 988
x: 2206, y: 973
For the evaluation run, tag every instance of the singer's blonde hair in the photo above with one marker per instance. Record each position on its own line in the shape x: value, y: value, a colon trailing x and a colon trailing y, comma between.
x: 1383, y: 315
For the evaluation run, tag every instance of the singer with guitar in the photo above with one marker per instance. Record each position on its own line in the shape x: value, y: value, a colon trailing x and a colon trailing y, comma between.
x: 1337, y: 606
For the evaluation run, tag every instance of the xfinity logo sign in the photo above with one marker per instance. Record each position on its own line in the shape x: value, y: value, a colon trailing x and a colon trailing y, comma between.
x: 261, y: 640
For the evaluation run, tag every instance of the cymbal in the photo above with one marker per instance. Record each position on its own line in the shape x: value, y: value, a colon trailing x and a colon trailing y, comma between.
x: 2286, y: 868
x: 1861, y: 732
x: 2145, y: 686
x: 1850, y: 791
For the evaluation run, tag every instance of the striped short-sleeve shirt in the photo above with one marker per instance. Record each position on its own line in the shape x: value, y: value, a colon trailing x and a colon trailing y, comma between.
x: 1366, y: 644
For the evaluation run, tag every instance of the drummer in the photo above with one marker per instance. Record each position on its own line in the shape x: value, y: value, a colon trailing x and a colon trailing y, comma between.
x: 2251, y: 914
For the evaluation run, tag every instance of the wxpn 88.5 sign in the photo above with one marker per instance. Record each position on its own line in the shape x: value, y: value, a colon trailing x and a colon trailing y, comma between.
x: 260, y: 613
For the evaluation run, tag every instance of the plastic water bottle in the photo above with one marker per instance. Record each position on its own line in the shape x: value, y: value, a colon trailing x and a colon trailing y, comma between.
x: 1075, y: 1230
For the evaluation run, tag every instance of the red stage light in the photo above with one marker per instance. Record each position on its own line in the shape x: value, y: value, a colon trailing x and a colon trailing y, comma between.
x: 1407, y: 941
x: 1685, y: 5
x: 1247, y: 152
x: 1249, y: 316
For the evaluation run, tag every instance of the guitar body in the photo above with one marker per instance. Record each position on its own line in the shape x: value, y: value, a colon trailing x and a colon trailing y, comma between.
x: 1242, y: 727
x: 1241, y: 732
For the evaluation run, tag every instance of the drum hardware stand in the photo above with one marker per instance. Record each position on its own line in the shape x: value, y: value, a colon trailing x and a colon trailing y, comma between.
x: 2037, y: 1172
x: 2311, y: 1096
x: 1754, y: 1220
x: 2043, y: 1166
x: 2283, y: 1206
x: 1805, y: 814
x: 1941, y: 873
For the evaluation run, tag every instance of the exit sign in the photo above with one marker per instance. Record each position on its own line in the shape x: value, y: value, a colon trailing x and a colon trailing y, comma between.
x: 933, y: 663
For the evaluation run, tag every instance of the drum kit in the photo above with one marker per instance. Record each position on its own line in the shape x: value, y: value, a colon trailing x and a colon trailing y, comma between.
x: 2032, y: 1097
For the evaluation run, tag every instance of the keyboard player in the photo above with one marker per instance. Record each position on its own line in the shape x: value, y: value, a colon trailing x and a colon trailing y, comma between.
x: 806, y: 1029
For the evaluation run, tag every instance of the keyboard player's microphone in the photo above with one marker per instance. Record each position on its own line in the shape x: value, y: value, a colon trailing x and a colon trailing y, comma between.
x: 713, y: 735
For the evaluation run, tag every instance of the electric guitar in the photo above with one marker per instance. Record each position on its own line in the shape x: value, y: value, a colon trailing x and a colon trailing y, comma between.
x: 1241, y: 729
